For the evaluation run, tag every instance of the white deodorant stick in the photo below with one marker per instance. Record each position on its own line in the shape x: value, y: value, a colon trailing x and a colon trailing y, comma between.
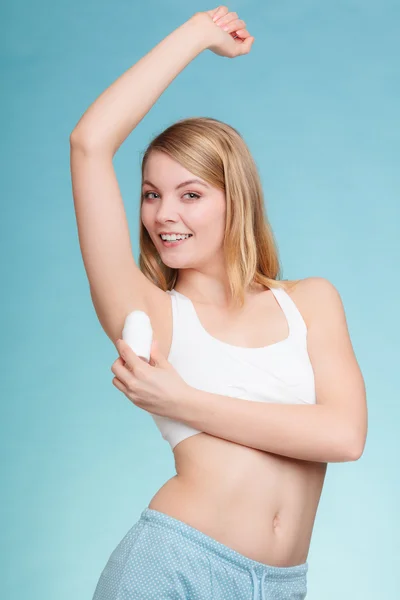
x: 138, y: 333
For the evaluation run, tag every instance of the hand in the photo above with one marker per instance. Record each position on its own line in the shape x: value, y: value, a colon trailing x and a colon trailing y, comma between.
x: 155, y: 386
x: 235, y: 41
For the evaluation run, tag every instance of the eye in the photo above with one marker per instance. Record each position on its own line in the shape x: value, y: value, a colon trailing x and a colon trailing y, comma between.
x: 197, y: 196
x: 192, y: 194
x: 146, y: 195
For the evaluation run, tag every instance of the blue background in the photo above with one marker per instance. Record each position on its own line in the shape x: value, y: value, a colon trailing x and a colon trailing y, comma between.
x: 317, y: 102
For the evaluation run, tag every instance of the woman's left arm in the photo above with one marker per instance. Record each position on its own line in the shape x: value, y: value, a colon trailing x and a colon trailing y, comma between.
x: 332, y: 430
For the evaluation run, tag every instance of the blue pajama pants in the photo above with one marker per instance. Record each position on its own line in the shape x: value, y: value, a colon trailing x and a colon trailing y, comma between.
x: 163, y: 558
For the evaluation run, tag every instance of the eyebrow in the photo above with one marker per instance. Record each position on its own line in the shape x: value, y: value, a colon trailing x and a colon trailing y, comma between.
x: 181, y: 184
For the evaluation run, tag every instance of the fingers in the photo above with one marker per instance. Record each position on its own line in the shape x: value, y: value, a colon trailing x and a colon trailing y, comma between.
x: 120, y: 386
x: 246, y: 45
x: 233, y: 25
x: 123, y: 372
x: 125, y: 351
x: 229, y: 22
x: 212, y: 12
x: 243, y: 33
x: 220, y: 12
x: 225, y: 19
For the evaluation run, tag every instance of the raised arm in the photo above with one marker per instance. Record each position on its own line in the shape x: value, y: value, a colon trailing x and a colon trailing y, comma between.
x: 117, y: 285
x: 117, y: 111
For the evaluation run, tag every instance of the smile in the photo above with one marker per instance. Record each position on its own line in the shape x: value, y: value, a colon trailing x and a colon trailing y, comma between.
x: 172, y: 244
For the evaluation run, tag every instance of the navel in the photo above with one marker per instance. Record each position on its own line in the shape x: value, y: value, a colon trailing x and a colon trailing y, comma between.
x: 276, y: 521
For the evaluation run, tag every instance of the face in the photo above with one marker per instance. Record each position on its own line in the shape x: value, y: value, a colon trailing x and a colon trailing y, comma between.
x: 171, y: 204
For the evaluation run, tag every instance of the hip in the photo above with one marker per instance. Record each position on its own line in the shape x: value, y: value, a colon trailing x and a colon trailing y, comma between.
x: 163, y: 557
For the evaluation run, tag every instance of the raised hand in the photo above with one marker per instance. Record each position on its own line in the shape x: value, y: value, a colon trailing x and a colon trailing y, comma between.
x: 227, y: 33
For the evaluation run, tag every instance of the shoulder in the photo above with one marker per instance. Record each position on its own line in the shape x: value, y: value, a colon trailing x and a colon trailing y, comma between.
x: 315, y: 297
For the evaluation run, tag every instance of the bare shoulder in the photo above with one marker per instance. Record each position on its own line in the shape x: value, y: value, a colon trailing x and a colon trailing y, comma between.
x: 313, y: 294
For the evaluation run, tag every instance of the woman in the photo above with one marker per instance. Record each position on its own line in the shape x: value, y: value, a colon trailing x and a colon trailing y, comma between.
x: 236, y: 520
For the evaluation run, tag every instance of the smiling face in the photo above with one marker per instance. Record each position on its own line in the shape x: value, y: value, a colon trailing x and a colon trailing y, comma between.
x: 171, y: 204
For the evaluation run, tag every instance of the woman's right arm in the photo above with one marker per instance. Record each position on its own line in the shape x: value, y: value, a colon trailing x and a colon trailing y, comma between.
x: 117, y: 285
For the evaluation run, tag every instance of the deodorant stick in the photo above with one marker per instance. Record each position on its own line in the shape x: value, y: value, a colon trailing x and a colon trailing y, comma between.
x: 138, y: 333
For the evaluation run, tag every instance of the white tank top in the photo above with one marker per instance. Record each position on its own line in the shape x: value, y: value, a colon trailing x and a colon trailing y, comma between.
x: 277, y: 373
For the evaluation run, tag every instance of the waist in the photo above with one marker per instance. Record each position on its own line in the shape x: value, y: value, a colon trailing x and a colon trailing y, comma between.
x: 260, y: 504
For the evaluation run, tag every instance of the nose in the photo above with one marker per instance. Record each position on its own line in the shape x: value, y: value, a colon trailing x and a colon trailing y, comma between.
x: 167, y: 211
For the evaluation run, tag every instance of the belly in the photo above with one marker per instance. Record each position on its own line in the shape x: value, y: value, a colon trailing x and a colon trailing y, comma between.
x: 260, y: 504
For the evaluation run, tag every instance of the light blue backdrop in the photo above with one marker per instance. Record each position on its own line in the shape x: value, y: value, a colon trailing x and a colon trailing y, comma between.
x: 317, y: 101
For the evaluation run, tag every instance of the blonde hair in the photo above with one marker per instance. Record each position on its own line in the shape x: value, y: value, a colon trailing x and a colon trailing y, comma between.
x: 217, y: 153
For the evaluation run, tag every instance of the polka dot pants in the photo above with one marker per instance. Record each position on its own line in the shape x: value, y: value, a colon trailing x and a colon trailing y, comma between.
x: 162, y: 558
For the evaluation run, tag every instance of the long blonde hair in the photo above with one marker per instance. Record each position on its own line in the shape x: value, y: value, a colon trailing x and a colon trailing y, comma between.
x: 217, y: 153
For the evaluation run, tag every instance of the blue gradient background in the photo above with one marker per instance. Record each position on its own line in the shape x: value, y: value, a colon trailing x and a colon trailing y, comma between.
x: 317, y: 100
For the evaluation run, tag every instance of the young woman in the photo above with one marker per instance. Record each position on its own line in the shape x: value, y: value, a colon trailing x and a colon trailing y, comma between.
x: 253, y: 381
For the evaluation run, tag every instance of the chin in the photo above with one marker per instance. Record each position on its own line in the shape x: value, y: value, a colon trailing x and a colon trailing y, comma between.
x: 176, y: 264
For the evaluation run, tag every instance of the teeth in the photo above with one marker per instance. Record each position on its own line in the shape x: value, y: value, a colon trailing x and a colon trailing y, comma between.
x: 174, y: 237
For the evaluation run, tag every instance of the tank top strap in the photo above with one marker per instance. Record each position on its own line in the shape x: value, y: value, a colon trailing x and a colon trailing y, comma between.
x: 183, y: 319
x: 181, y: 307
x: 296, y: 323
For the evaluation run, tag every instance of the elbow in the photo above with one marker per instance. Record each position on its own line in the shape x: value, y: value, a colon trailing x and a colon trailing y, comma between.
x: 75, y: 139
x: 355, y: 449
x: 81, y: 141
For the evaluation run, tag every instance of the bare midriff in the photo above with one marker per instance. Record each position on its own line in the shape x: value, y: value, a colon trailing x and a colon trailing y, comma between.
x: 260, y: 504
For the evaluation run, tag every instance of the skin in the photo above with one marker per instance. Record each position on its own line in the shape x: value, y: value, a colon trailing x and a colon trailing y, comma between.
x: 256, y: 501
x: 273, y: 523
x: 200, y: 259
